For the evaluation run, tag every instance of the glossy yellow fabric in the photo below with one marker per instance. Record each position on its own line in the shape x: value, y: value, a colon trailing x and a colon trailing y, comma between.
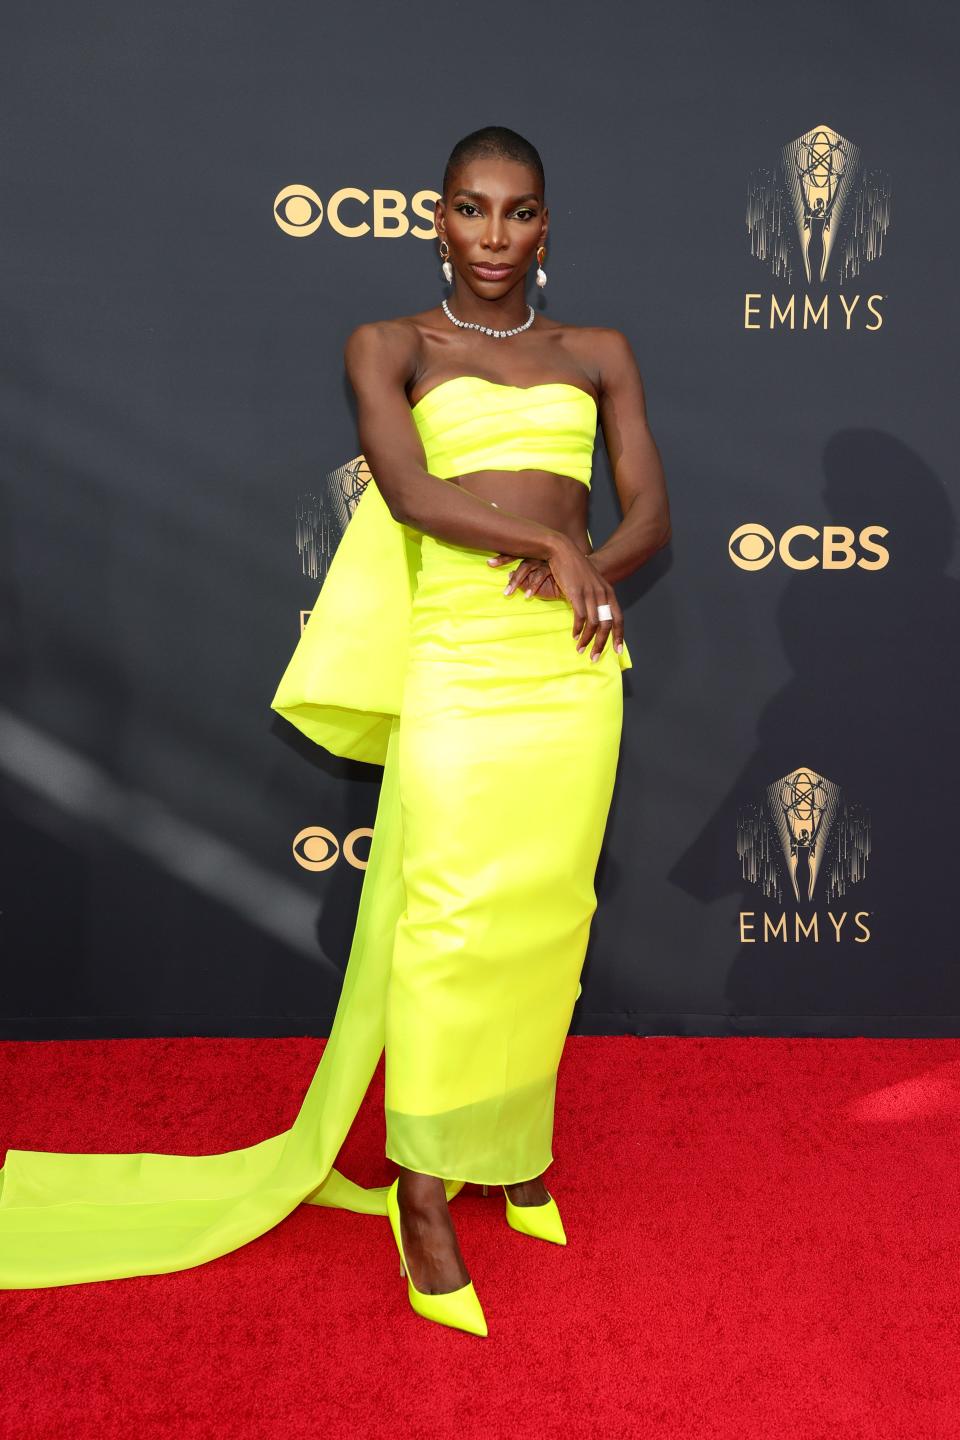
x: 468, y: 424
x: 499, y: 745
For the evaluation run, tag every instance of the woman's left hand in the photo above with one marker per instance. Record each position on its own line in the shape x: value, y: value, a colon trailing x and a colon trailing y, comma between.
x: 533, y: 577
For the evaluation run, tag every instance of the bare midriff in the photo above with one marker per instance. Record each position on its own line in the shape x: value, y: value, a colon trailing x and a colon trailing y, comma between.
x: 557, y: 501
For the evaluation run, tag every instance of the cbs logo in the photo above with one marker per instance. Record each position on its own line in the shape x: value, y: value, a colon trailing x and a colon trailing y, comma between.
x: 299, y: 211
x: 803, y: 547
x: 316, y: 848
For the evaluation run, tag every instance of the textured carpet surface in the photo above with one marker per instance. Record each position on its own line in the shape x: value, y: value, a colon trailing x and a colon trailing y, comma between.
x: 763, y: 1242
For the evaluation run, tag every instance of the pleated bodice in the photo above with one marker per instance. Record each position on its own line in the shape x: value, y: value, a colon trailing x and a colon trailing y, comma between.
x: 468, y: 424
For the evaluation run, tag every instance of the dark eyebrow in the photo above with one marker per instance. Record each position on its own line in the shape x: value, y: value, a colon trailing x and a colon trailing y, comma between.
x: 479, y: 195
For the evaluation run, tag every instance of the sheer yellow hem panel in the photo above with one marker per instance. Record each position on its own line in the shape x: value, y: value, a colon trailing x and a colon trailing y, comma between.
x: 69, y: 1218
x: 500, y: 1141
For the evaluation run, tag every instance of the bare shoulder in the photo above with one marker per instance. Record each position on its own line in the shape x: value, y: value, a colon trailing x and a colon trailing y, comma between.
x: 603, y: 351
x: 381, y: 342
x: 382, y: 352
x: 613, y: 350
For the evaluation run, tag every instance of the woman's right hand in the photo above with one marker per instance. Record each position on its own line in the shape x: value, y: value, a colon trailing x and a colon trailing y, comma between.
x: 578, y: 580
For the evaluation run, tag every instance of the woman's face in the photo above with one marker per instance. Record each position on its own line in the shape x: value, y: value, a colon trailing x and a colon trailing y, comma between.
x: 492, y: 216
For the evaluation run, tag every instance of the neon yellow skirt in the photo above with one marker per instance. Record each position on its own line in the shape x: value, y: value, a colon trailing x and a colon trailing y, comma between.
x: 499, y: 745
x: 507, y: 752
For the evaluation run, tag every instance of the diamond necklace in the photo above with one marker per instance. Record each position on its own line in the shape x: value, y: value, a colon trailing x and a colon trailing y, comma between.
x: 485, y: 329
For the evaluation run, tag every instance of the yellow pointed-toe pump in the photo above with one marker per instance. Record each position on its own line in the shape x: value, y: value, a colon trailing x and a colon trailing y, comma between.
x: 541, y: 1221
x: 460, y: 1309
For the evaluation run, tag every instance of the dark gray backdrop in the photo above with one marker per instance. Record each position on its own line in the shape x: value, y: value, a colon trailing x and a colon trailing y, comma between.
x: 173, y: 396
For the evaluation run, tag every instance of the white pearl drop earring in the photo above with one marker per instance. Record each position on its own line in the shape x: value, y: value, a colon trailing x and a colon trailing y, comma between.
x: 541, y: 273
x: 446, y: 267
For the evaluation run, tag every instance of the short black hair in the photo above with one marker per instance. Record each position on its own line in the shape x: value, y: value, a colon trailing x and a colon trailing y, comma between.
x: 496, y: 140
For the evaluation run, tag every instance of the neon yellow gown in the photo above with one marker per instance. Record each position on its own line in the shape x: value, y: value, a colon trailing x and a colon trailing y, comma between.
x: 499, y: 745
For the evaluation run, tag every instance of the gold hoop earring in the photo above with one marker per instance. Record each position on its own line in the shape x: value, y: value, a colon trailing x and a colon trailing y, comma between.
x: 446, y: 267
x: 541, y: 273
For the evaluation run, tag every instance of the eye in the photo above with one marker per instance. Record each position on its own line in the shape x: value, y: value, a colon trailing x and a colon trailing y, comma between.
x: 531, y: 213
x: 316, y: 848
x: 464, y: 206
x: 751, y: 546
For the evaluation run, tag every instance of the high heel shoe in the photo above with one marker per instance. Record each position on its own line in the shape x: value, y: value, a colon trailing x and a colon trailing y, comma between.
x: 541, y: 1221
x: 458, y: 1308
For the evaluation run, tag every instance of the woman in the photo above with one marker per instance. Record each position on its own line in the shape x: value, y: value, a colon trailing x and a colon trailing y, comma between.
x: 495, y: 711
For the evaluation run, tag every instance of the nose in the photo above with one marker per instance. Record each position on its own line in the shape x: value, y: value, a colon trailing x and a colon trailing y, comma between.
x: 495, y: 236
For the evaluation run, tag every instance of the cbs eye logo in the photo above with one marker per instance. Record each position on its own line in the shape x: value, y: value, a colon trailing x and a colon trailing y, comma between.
x: 316, y: 848
x: 299, y: 211
x: 803, y: 547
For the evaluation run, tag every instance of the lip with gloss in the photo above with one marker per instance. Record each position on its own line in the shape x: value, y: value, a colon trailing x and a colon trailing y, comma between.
x: 491, y: 272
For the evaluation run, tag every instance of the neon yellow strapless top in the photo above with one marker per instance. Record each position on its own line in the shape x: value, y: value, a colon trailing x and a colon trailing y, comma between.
x: 468, y: 424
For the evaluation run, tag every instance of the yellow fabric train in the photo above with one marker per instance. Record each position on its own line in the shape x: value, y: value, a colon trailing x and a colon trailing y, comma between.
x: 499, y: 744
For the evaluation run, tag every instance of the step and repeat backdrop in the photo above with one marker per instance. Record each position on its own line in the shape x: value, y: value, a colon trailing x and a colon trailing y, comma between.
x: 201, y: 204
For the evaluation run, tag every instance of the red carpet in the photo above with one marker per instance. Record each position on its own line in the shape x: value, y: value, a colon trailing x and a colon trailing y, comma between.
x: 764, y: 1242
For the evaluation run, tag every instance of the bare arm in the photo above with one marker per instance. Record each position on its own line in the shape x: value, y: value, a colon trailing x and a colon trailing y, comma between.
x: 641, y: 489
x: 636, y: 464
x: 380, y: 359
